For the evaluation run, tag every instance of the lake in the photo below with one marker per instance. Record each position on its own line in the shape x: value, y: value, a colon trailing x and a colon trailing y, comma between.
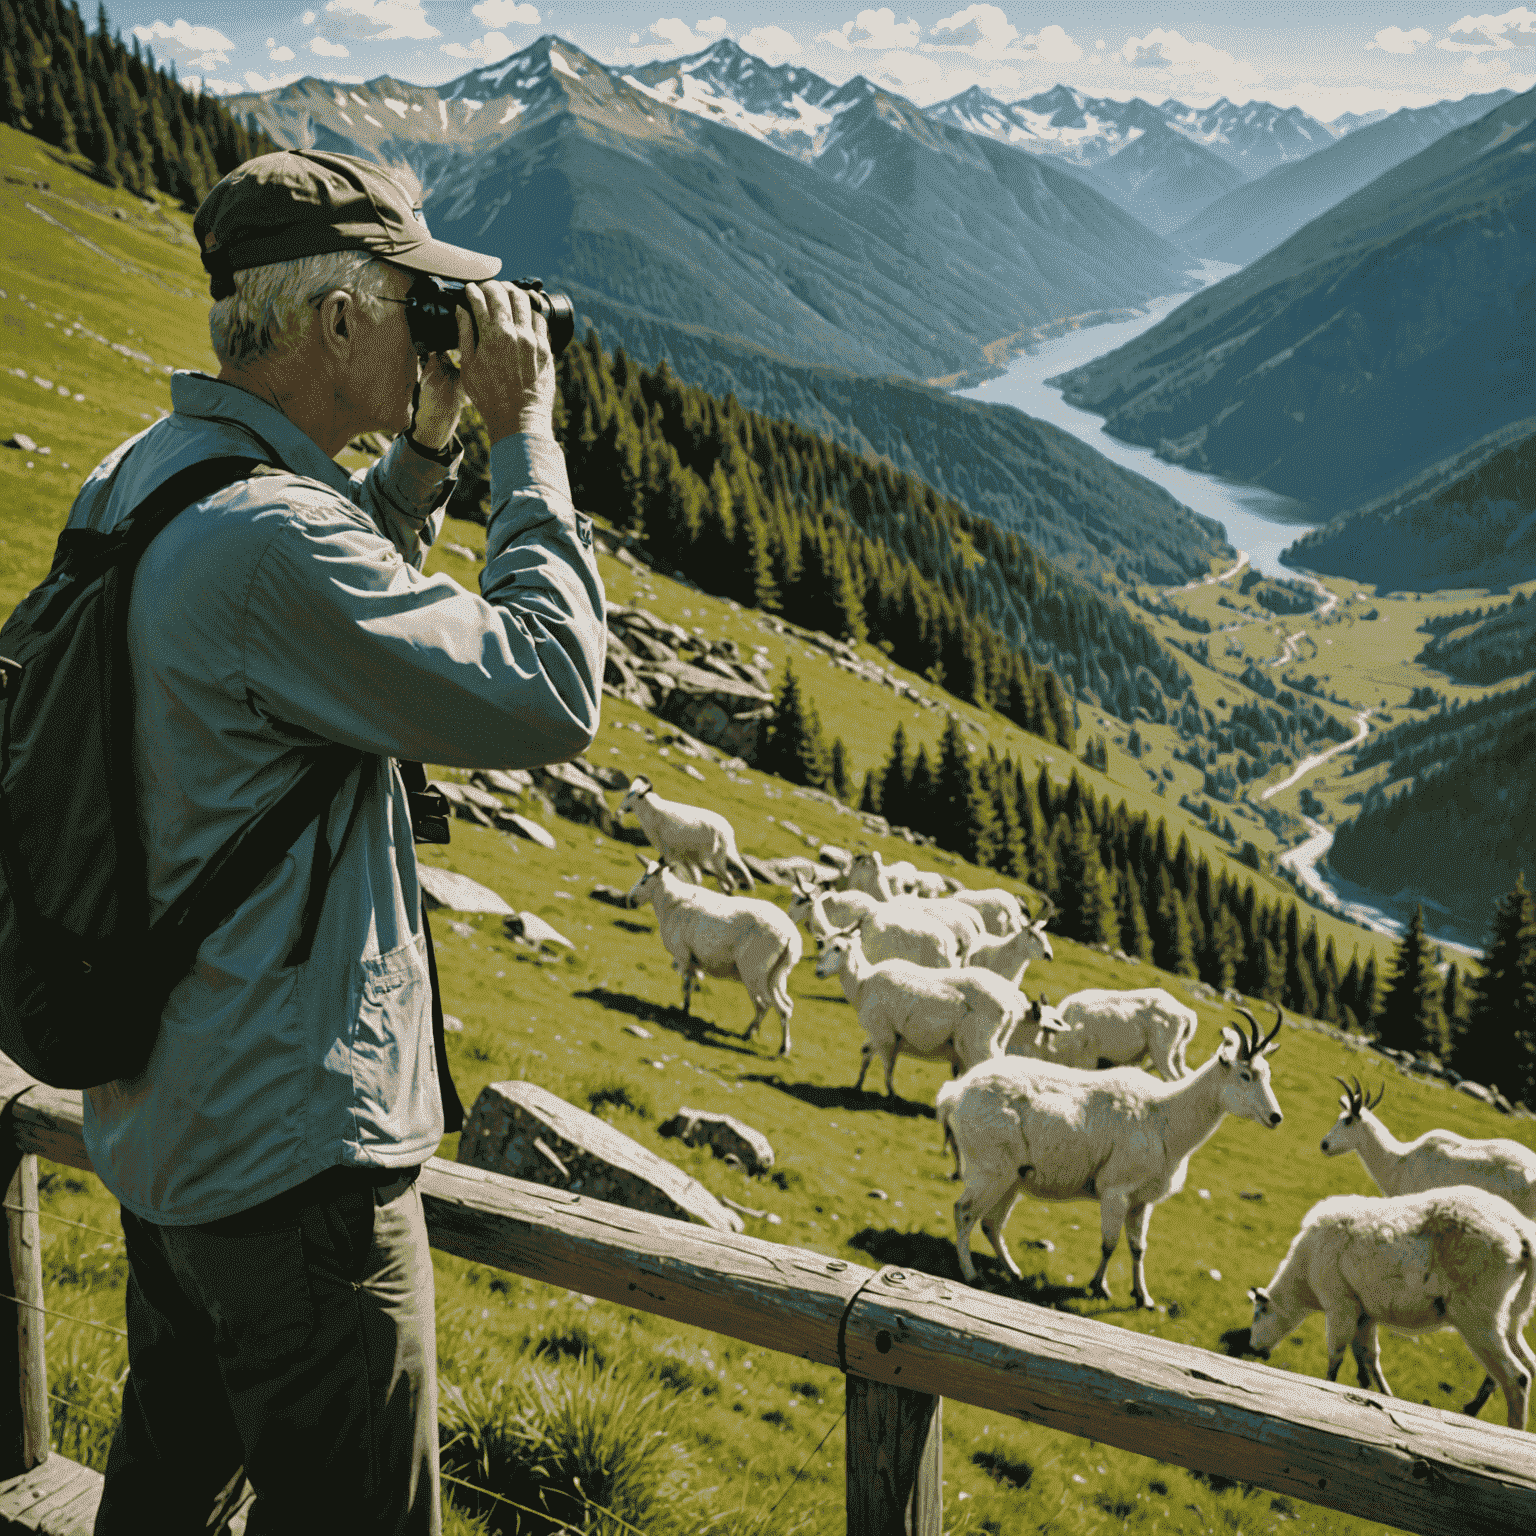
x: 1259, y: 522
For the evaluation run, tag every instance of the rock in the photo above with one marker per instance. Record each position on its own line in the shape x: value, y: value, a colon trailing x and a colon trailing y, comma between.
x: 22, y: 441
x: 692, y: 772
x: 783, y: 871
x: 526, y: 1132
x: 724, y: 1135
x: 526, y: 827
x: 611, y: 895
x: 452, y: 1025
x: 639, y: 1031
x: 532, y: 929
x: 1475, y: 1090
x: 610, y: 778
x: 505, y: 781
x: 578, y: 797
x: 878, y: 1194
x: 458, y: 893
x: 839, y: 858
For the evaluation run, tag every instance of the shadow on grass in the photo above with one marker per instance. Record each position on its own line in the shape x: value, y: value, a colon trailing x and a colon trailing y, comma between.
x: 1236, y: 1342
x: 689, y: 1026
x: 630, y: 927
x: 935, y: 1255
x: 820, y: 1096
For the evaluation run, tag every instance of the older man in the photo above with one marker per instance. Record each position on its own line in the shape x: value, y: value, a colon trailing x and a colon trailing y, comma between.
x: 280, y: 1300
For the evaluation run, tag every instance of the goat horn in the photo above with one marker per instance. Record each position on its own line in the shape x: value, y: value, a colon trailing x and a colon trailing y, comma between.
x: 1249, y: 1045
x: 1349, y: 1093
x: 1047, y: 911
x: 1279, y: 1020
x: 1381, y: 1093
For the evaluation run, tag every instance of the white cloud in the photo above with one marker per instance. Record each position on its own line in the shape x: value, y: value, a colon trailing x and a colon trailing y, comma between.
x: 1099, y: 43
x: 1178, y: 55
x: 908, y: 72
x: 1054, y: 46
x: 279, y: 55
x: 874, y: 29
x: 505, y: 13
x: 490, y: 49
x: 327, y: 48
x: 198, y: 46
x: 983, y: 31
x: 1395, y: 40
x: 200, y: 83
x: 380, y: 21
x: 716, y: 26
x: 1492, y: 32
x: 676, y: 32
x: 255, y: 82
x: 772, y: 44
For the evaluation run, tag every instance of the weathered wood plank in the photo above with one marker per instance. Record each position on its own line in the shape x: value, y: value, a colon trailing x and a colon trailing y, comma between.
x: 893, y: 1460
x: 23, y: 1367
x: 58, y: 1498
x: 769, y: 1294
x: 1400, y: 1463
x: 48, y: 1121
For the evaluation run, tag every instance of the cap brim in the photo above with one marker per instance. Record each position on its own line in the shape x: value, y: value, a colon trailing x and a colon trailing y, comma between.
x: 444, y: 260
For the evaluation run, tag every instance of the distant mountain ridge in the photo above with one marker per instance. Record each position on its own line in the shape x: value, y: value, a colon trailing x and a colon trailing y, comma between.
x: 899, y: 245
x: 1389, y: 334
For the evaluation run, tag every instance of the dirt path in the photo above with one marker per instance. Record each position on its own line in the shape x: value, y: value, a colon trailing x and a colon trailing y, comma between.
x: 1212, y: 578
x: 1307, y: 764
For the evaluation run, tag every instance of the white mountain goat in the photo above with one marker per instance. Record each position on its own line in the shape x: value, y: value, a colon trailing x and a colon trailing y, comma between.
x: 1105, y: 1028
x: 871, y: 875
x: 960, y: 1016
x: 687, y: 836
x: 1122, y: 1138
x: 1010, y: 956
x: 1441, y: 1258
x: 887, y: 930
x: 1000, y: 910
x: 741, y: 937
x: 1435, y: 1160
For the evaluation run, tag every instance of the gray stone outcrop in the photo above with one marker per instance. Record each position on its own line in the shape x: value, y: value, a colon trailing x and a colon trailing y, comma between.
x: 724, y: 1135
x: 527, y: 1132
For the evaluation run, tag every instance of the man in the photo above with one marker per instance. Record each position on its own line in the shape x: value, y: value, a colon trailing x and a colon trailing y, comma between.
x: 280, y: 1300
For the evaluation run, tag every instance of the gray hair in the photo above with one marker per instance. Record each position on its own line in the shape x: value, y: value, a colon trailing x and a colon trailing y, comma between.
x: 271, y: 307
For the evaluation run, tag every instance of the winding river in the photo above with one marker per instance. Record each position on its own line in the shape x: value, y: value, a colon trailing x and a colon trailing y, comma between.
x: 1259, y: 523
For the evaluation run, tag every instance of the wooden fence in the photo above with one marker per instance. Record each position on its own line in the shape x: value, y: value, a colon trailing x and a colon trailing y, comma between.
x: 904, y: 1341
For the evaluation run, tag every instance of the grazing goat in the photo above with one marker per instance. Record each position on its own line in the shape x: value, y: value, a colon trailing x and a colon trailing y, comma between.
x: 1010, y: 956
x: 871, y: 875
x: 1122, y: 1138
x: 961, y: 1016
x: 687, y: 836
x: 1000, y: 910
x: 888, y: 930
x: 1104, y: 1028
x: 740, y: 937
x: 1442, y: 1258
x: 1436, y: 1160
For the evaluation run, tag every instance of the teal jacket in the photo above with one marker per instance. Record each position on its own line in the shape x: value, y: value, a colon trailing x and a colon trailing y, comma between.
x: 287, y: 612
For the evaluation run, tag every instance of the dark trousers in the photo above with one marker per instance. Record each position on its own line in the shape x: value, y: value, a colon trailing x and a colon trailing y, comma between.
x: 296, y: 1342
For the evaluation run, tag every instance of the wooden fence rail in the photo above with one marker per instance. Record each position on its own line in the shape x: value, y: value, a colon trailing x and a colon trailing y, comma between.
x: 904, y: 1340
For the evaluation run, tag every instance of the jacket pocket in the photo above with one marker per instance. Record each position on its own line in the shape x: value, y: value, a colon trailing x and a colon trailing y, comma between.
x: 392, y: 1045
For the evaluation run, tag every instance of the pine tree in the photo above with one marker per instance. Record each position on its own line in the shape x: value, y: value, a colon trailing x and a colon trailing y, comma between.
x: 1501, y: 1019
x: 1086, y: 894
x: 1369, y: 1003
x: 893, y: 779
x: 840, y: 780
x: 961, y: 806
x: 1135, y: 931
x: 793, y: 749
x: 1410, y: 1012
x: 922, y: 811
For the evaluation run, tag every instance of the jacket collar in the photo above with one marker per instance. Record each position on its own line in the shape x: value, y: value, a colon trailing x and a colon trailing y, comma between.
x: 200, y: 395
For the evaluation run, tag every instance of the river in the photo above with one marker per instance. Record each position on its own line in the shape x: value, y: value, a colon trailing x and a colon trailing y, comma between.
x: 1261, y: 523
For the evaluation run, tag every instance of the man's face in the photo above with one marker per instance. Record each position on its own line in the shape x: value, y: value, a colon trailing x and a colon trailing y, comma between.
x: 384, y: 370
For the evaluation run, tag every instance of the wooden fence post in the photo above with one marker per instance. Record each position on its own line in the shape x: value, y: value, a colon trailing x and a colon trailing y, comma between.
x: 24, y: 1420
x: 894, y: 1460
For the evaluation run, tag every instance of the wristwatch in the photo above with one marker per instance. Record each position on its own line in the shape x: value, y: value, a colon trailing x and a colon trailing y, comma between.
x: 444, y: 455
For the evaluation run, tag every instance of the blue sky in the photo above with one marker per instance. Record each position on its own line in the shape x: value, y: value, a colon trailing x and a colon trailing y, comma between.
x: 1342, y: 56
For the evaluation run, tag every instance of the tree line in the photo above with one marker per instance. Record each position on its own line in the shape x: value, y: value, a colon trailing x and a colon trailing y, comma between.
x: 89, y: 93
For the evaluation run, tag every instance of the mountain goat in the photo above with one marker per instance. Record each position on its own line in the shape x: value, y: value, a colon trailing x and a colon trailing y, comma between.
x: 687, y: 836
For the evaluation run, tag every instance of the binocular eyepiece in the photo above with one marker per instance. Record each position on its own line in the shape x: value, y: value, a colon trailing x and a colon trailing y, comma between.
x: 432, y: 301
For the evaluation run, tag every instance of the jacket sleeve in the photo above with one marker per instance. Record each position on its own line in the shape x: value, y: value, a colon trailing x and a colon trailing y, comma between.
x: 345, y: 640
x: 406, y: 493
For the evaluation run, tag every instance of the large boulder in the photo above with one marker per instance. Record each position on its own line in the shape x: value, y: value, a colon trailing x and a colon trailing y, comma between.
x: 577, y: 796
x: 458, y: 893
x: 724, y: 1135
x: 527, y: 1132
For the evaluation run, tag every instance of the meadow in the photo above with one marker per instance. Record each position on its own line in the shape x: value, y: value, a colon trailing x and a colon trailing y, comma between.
x: 713, y: 1435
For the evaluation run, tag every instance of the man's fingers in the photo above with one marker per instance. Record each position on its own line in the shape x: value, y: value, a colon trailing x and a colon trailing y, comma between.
x: 518, y: 302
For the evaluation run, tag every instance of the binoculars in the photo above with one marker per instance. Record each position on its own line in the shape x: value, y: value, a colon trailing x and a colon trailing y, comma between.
x: 432, y: 301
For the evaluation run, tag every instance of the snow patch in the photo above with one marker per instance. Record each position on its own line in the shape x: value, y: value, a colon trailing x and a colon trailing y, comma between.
x: 494, y: 77
x: 557, y: 59
x: 442, y: 111
x: 347, y: 120
x: 358, y: 99
x: 471, y: 107
x: 368, y: 117
x: 399, y: 108
x: 513, y: 110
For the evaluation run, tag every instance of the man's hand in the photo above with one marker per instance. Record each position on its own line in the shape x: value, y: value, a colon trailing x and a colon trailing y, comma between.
x: 439, y: 400
x: 507, y: 366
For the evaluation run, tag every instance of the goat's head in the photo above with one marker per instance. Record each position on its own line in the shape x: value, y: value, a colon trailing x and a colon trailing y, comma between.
x: 648, y: 884
x: 1047, y: 912
x: 1354, y: 1106
x: 639, y: 788
x: 1241, y: 1060
x: 1266, y: 1330
x: 832, y: 950
x: 1043, y: 1016
x: 807, y: 896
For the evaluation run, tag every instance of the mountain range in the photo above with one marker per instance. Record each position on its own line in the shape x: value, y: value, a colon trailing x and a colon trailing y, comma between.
x: 900, y: 245
x: 1256, y: 216
x: 1389, y: 334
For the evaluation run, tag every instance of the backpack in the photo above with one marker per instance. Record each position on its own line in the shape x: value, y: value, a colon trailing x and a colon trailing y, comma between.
x: 84, y: 975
